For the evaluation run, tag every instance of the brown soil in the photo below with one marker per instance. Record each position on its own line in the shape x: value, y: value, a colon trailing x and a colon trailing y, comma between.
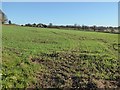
x: 61, y: 71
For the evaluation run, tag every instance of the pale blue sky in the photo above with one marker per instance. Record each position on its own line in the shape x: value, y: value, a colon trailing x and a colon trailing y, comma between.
x: 62, y: 13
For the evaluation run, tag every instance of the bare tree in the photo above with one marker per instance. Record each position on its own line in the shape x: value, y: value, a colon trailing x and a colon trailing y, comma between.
x: 3, y: 17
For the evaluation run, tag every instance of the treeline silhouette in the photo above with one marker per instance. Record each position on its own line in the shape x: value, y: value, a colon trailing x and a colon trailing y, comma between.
x: 77, y: 27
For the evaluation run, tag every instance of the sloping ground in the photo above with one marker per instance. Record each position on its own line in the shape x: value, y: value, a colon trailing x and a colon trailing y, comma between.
x: 38, y: 57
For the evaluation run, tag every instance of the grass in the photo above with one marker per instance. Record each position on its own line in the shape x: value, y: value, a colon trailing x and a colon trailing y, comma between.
x: 42, y: 57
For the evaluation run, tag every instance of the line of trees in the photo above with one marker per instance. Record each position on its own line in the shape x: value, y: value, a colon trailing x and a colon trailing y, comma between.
x: 35, y: 25
x: 77, y: 27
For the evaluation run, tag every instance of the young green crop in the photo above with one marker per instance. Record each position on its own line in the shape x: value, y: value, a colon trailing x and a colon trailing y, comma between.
x: 27, y: 51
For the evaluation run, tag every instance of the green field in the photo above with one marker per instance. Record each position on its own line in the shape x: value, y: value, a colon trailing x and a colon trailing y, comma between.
x: 42, y: 57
